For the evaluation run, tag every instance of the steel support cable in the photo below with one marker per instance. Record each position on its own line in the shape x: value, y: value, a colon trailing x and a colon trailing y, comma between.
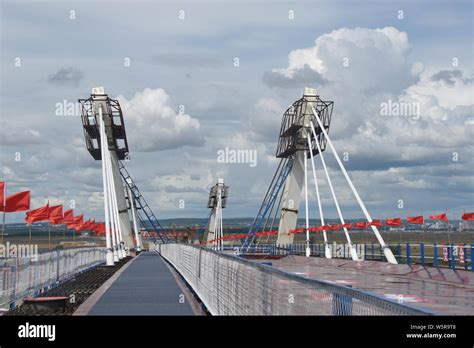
x: 327, y: 250
x: 277, y: 210
x: 266, y: 221
x: 264, y: 199
x: 143, y: 205
x: 108, y: 239
x: 281, y: 179
x: 111, y: 209
x: 333, y: 193
x: 387, y: 252
x: 306, y: 210
x: 118, y: 229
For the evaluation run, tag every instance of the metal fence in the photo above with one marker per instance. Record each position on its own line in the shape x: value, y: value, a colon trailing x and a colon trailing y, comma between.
x: 27, y: 276
x: 460, y: 257
x: 230, y: 285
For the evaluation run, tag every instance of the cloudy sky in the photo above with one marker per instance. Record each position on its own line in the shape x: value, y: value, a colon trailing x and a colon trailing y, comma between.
x: 196, y: 77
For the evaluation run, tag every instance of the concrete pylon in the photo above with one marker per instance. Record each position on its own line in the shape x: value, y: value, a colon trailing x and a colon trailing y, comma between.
x: 294, y: 184
x: 102, y: 99
x: 291, y: 200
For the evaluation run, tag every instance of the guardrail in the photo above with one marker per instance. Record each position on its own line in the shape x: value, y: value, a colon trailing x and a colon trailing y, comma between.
x: 28, y: 276
x: 230, y: 285
x: 460, y: 257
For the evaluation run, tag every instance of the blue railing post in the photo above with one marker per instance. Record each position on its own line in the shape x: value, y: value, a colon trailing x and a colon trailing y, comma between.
x: 453, y: 263
x: 472, y: 257
x: 342, y: 304
x: 380, y: 253
x: 422, y: 253
x: 448, y: 248
x: 464, y: 250
x: 373, y: 251
x: 408, y: 253
x: 399, y: 252
x: 435, y: 255
x: 365, y: 251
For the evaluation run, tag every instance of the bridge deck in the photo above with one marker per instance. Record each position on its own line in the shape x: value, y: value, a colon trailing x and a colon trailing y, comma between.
x: 146, y: 287
x: 442, y: 290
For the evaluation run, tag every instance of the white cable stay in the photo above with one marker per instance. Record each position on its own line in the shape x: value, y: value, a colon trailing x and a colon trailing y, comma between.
x: 352, y: 249
x: 387, y: 252
x: 111, y: 207
x: 108, y: 242
x: 327, y: 250
x: 308, y: 250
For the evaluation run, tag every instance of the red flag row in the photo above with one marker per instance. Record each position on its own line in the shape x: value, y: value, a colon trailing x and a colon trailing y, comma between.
x: 54, y: 214
x: 418, y: 220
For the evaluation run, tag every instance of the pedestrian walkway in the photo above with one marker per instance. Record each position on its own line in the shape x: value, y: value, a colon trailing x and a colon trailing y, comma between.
x: 146, y: 287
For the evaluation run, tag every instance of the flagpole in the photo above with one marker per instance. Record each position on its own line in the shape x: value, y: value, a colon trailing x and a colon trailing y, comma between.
x: 29, y: 212
x: 3, y: 223
x: 4, y: 208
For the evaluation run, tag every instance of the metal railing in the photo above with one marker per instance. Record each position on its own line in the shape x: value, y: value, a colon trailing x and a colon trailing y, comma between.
x: 460, y: 257
x: 27, y: 276
x: 230, y: 285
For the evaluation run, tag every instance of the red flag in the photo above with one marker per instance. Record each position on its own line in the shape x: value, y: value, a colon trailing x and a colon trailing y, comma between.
x: 77, y: 222
x: 393, y: 222
x: 68, y: 217
x: 56, y: 214
x: 417, y: 220
x: 336, y: 227
x: 92, y: 225
x: 2, y: 194
x: 100, y: 229
x: 468, y: 216
x: 347, y: 226
x: 360, y: 225
x: 39, y: 214
x: 442, y: 217
x: 18, y: 202
x: 96, y: 228
x: 298, y: 230
x: 376, y: 223
x: 85, y: 225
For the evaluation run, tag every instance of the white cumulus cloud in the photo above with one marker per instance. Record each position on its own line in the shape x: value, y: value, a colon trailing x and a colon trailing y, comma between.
x: 359, y: 58
x: 153, y: 124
